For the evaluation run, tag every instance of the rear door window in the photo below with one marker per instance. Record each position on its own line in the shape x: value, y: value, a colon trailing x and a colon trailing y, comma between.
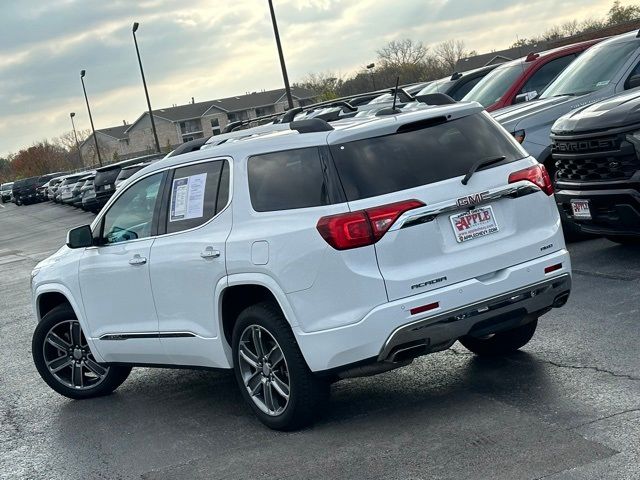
x: 197, y: 193
x: 427, y: 153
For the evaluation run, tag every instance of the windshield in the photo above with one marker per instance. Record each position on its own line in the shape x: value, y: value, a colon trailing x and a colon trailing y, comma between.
x: 592, y: 70
x: 439, y: 86
x: 492, y: 87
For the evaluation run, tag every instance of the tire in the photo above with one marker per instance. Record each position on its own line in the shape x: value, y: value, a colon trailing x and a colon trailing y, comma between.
x: 625, y: 239
x: 502, y: 343
x: 62, y: 321
x: 308, y: 394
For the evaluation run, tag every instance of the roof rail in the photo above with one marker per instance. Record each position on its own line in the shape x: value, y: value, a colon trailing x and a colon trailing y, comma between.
x: 435, y: 99
x: 310, y: 126
x: 456, y: 76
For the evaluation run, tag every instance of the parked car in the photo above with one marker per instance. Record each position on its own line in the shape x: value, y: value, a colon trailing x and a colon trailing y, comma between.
x: 604, y: 70
x: 54, y: 183
x: 127, y: 172
x: 5, y: 192
x: 89, y: 203
x: 458, y: 84
x: 596, y: 150
x: 524, y: 79
x: 66, y: 187
x: 24, y: 191
x: 41, y: 192
x: 270, y: 232
x: 81, y: 186
x: 104, y: 183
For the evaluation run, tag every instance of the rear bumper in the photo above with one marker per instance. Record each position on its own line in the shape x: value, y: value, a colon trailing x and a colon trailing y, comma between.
x: 504, y: 300
x: 614, y: 211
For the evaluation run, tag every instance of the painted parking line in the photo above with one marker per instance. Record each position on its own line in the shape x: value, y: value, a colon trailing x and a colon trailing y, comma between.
x: 2, y: 205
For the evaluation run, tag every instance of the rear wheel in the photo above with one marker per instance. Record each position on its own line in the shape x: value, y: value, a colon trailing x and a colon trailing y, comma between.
x: 65, y: 361
x: 625, y: 239
x: 501, y: 343
x: 271, y: 372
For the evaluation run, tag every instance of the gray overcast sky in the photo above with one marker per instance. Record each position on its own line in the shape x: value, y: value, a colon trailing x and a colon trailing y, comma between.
x: 215, y: 48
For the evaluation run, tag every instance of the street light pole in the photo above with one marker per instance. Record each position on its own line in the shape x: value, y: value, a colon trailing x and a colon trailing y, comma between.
x: 281, y: 55
x: 146, y: 92
x: 95, y: 138
x: 373, y: 76
x: 71, y: 115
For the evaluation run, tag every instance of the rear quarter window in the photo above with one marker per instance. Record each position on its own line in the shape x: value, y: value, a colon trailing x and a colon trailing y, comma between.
x: 291, y: 179
x: 427, y: 153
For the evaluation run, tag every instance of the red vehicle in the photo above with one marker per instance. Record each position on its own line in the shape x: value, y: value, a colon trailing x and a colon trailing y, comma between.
x: 524, y: 79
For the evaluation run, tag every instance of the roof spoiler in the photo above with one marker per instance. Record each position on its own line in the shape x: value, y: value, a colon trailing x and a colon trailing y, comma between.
x: 310, y: 126
x: 435, y: 99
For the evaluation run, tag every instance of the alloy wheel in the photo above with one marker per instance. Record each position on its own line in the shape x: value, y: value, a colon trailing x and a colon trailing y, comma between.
x: 264, y: 370
x: 69, y: 359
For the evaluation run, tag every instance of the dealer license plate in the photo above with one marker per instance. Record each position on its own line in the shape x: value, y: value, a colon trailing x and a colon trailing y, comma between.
x: 475, y: 223
x: 581, y: 209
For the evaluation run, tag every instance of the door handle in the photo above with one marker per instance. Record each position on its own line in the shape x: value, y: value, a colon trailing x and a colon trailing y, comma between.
x: 137, y: 260
x: 209, y: 252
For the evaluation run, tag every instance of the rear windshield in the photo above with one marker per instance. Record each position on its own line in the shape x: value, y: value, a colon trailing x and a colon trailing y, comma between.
x: 107, y: 176
x: 127, y: 172
x: 381, y: 165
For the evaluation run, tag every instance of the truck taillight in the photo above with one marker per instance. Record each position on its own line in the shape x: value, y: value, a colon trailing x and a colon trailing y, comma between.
x: 537, y: 175
x: 363, y: 227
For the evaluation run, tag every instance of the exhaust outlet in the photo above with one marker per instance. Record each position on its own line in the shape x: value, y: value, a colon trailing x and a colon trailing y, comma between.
x: 561, y: 300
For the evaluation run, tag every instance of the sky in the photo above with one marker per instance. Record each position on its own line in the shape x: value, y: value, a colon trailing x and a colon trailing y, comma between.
x: 210, y: 49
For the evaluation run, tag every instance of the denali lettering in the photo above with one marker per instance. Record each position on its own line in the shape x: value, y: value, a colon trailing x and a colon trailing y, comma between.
x: 429, y: 282
x: 471, y: 199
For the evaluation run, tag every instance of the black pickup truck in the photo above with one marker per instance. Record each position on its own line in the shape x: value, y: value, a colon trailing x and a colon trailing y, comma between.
x: 596, y: 150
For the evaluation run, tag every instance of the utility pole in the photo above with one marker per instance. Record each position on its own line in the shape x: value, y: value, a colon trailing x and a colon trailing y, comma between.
x: 282, y: 64
x: 95, y: 138
x: 146, y: 92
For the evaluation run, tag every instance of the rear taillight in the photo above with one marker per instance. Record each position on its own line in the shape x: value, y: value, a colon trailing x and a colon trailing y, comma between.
x: 537, y: 175
x: 363, y: 227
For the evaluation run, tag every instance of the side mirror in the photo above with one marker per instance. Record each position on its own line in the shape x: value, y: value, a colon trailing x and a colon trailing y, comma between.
x: 634, y: 81
x: 80, y: 237
x: 525, y: 97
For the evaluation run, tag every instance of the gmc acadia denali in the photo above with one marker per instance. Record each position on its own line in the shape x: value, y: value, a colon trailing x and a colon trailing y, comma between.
x: 597, y: 158
x: 298, y: 257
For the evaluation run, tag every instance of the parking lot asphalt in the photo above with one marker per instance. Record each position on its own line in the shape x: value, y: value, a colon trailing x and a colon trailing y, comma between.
x: 566, y: 407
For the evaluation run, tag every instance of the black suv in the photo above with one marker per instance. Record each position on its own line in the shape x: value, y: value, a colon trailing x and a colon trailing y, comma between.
x: 24, y: 191
x: 105, y: 180
x: 596, y: 150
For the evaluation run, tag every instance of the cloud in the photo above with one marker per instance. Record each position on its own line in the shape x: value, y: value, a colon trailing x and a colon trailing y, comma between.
x: 210, y: 49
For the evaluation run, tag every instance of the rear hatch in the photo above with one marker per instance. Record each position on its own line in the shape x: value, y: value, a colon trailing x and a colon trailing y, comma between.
x: 104, y: 183
x: 462, y: 231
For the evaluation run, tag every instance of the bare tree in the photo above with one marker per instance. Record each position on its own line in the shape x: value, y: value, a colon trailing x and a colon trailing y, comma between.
x: 449, y: 52
x: 326, y: 85
x: 618, y: 14
x: 402, y: 52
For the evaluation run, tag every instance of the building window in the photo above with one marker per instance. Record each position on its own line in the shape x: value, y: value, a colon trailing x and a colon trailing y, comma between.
x: 215, y: 126
x: 262, y: 111
x: 238, y: 116
x: 190, y: 126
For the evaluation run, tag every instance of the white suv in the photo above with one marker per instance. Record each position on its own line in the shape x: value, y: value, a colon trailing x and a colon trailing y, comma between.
x: 303, y: 256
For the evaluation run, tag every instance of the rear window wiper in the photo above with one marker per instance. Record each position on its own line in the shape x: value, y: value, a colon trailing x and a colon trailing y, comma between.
x: 483, y: 162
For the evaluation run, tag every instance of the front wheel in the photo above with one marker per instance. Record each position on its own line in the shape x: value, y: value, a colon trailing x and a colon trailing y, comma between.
x: 501, y: 343
x: 65, y: 361
x: 271, y: 372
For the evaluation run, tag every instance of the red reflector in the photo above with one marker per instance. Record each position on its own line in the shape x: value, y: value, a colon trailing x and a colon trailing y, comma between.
x: 537, y: 175
x: 552, y: 268
x: 424, y: 308
x: 363, y: 227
